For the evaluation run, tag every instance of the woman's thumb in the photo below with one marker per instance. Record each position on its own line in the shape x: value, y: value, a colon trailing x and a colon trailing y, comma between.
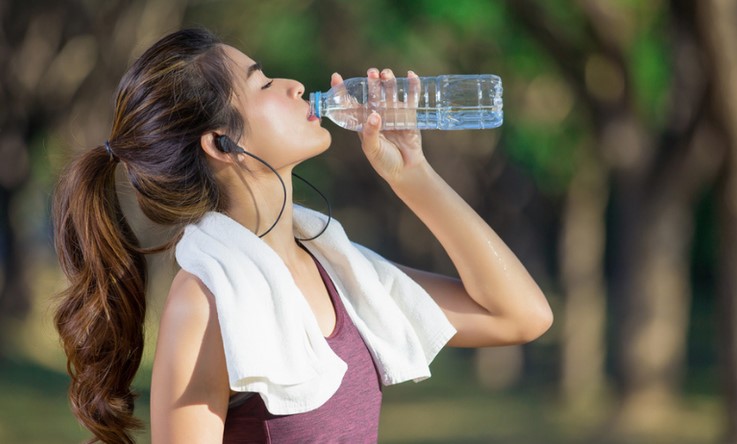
x: 370, y: 133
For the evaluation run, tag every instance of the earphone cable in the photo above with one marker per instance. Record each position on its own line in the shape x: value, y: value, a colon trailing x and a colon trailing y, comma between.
x: 283, y: 187
x: 284, y: 200
x: 327, y: 203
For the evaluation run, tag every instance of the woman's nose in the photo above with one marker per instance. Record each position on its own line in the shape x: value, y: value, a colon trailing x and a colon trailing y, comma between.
x: 297, y: 89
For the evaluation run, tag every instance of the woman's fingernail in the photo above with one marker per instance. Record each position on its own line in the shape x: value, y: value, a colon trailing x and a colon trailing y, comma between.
x: 374, y: 119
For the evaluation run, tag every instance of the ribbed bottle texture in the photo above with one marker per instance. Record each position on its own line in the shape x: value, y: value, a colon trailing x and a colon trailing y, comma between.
x: 448, y: 102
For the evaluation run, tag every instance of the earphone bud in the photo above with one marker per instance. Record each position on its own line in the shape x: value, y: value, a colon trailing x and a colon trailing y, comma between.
x: 226, y: 145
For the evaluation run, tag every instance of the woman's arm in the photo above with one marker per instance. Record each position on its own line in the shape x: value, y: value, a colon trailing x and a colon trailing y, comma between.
x: 496, y: 301
x: 189, y: 387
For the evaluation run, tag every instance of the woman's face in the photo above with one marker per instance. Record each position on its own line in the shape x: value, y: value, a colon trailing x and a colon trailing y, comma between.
x: 279, y: 127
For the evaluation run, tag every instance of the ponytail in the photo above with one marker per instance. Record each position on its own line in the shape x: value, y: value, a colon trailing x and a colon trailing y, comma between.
x: 100, y: 316
x: 176, y: 91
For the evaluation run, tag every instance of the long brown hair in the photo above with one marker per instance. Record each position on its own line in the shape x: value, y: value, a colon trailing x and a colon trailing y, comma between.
x: 176, y: 91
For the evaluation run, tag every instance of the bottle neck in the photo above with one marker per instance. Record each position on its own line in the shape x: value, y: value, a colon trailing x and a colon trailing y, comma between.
x: 315, y: 99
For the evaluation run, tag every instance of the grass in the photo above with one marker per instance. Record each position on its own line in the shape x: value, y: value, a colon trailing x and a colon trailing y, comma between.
x: 448, y: 408
x: 33, y: 405
x: 34, y: 408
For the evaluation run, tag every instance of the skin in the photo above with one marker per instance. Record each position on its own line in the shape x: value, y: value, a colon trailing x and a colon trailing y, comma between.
x: 495, y: 302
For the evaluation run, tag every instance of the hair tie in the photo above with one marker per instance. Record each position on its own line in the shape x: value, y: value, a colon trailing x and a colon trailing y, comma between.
x: 109, y: 150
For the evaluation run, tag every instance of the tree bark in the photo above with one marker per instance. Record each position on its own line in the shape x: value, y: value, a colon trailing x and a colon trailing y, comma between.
x: 718, y: 22
x: 583, y: 378
x: 651, y: 334
x: 657, y: 205
x: 727, y: 297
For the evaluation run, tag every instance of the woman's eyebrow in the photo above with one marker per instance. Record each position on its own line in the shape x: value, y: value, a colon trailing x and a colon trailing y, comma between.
x: 253, y: 68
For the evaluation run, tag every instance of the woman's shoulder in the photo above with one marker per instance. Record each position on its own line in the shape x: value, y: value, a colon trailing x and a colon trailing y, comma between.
x: 189, y: 302
x: 189, y: 329
x: 189, y: 380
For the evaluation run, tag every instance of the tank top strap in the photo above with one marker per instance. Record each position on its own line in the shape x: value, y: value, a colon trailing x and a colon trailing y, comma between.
x: 340, y: 312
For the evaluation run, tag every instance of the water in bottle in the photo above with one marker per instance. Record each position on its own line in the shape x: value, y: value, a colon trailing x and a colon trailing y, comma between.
x: 448, y: 102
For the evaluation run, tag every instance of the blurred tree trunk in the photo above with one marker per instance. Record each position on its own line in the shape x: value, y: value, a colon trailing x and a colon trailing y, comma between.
x: 15, y: 116
x: 583, y: 233
x: 655, y: 292
x: 656, y: 175
x: 718, y: 26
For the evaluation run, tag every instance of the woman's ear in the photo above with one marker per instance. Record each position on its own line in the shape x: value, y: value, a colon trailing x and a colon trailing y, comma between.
x: 209, y: 144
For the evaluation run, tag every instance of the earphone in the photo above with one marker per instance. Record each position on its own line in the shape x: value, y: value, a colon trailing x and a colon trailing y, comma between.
x: 226, y: 145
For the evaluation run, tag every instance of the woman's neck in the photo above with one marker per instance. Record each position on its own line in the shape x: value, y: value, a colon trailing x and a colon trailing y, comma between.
x: 256, y: 205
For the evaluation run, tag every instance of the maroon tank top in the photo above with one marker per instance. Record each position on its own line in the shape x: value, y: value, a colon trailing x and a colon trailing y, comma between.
x: 351, y: 415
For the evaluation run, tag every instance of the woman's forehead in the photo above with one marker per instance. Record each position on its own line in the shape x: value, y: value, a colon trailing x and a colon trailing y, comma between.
x: 239, y: 58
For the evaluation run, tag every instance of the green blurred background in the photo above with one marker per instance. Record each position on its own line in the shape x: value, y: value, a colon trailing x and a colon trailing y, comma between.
x: 614, y: 178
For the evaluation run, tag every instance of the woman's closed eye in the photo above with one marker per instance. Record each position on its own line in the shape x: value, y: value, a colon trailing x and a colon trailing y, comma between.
x: 267, y: 85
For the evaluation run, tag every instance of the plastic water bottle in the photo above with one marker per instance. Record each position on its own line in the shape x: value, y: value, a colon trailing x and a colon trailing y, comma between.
x: 448, y: 102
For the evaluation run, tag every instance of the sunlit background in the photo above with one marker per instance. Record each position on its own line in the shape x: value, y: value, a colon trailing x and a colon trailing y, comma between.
x: 614, y: 178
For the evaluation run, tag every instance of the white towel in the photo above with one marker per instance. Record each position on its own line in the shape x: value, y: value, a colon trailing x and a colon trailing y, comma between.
x: 273, y: 344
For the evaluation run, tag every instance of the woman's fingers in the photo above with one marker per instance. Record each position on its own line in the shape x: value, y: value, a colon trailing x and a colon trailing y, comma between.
x: 383, y: 92
x: 374, y: 88
x: 389, y: 83
x: 336, y: 79
x: 370, y: 134
x: 413, y: 95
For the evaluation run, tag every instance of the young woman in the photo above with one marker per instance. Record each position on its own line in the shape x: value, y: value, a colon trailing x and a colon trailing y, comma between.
x: 276, y: 328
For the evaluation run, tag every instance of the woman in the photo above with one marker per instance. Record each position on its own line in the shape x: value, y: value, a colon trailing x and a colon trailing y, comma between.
x: 276, y: 329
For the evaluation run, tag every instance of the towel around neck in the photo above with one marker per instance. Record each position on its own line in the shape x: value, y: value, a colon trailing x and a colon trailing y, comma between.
x: 273, y: 344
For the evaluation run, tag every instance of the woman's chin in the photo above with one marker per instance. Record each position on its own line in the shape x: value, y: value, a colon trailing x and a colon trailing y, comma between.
x: 328, y: 140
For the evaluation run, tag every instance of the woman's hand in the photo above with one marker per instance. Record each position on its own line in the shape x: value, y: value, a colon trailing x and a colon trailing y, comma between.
x: 391, y: 153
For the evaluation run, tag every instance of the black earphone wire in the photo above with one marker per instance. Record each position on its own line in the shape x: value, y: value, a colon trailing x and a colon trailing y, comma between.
x: 283, y: 186
x: 327, y: 203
